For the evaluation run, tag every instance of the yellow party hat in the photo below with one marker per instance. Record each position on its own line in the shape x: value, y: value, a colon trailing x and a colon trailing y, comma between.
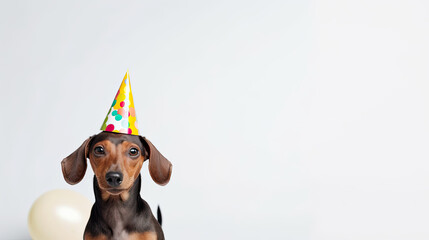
x: 122, y: 115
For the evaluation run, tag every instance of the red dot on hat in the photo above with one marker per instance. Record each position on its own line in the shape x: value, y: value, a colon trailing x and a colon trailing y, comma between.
x: 130, y: 131
x: 110, y: 127
x: 122, y: 104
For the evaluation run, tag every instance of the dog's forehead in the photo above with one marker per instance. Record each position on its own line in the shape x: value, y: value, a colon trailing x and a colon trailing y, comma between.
x: 116, y: 138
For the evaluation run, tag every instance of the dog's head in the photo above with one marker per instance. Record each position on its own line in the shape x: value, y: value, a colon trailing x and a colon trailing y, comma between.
x: 116, y: 160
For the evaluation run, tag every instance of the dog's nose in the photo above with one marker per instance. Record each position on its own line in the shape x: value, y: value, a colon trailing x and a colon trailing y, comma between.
x: 114, y: 179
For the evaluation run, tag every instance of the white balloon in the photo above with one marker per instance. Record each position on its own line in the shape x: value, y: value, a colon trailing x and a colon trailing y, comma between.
x: 59, y: 214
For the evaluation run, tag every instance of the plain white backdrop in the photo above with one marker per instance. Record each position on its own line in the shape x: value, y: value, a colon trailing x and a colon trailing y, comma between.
x: 301, y: 120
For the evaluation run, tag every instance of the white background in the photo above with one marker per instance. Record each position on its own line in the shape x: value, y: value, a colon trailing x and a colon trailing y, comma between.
x: 283, y: 119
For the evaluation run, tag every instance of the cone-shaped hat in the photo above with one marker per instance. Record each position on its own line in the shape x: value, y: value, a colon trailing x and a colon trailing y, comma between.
x: 122, y: 115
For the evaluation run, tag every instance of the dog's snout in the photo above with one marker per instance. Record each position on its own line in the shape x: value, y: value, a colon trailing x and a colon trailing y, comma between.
x: 114, y: 179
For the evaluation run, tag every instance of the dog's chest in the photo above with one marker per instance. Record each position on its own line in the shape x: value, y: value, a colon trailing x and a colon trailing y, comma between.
x: 120, y: 235
x: 116, y: 221
x: 119, y: 232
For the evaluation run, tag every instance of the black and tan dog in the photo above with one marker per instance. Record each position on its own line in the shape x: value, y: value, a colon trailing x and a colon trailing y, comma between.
x: 119, y: 213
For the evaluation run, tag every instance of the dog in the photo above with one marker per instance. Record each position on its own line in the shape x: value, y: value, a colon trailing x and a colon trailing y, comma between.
x: 119, y: 213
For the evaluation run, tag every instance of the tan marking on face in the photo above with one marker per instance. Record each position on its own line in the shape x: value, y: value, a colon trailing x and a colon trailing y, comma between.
x: 104, y: 195
x: 124, y: 195
x: 116, y: 158
x: 143, y: 236
x: 88, y: 236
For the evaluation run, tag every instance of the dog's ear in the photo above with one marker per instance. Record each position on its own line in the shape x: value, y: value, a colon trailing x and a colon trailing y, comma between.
x: 74, y: 166
x: 159, y: 167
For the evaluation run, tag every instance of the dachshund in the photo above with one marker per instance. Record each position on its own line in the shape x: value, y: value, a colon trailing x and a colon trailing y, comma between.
x: 119, y: 213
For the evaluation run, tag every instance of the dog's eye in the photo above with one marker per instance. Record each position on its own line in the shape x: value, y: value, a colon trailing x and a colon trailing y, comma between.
x: 99, y: 150
x: 134, y: 152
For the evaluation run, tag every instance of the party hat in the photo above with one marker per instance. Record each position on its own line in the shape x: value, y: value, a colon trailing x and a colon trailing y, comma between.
x: 122, y: 115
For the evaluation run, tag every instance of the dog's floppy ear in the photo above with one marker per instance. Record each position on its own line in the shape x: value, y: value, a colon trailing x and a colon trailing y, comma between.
x: 74, y: 166
x: 159, y: 167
